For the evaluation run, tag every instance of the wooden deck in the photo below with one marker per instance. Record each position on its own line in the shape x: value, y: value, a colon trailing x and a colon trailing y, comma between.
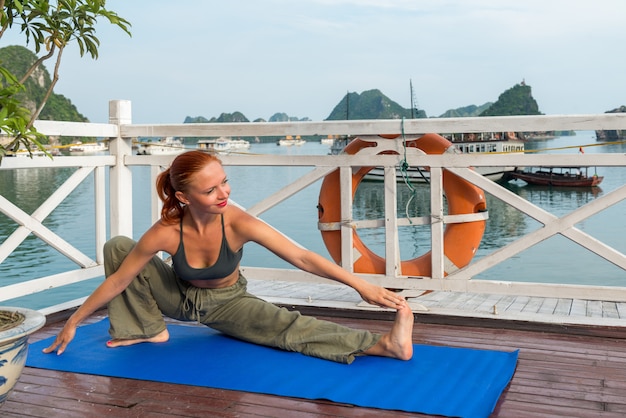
x: 454, y: 306
x: 566, y: 368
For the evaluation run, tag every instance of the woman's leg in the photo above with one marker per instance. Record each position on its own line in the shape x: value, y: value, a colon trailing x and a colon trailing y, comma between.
x: 239, y: 314
x: 137, y: 312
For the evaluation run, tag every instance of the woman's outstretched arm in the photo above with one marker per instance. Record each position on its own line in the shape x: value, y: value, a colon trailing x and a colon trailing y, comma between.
x: 258, y: 231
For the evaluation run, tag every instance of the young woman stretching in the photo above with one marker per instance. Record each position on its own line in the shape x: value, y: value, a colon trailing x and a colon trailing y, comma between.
x: 205, y: 236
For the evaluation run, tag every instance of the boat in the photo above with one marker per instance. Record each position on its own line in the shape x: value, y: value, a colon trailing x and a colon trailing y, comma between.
x: 80, y: 148
x: 328, y: 140
x: 482, y: 143
x: 24, y: 152
x: 223, y: 145
x: 490, y: 143
x: 339, y: 144
x: 556, y: 176
x: 238, y: 144
x: 164, y: 146
x: 289, y: 141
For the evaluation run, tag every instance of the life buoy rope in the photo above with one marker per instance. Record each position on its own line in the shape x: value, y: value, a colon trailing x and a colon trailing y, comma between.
x: 461, y: 240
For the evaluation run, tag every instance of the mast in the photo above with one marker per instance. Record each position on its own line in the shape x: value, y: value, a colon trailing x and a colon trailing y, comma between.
x: 413, y: 101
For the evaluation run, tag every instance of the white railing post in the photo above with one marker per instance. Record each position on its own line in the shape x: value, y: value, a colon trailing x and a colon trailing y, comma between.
x: 392, y: 244
x: 347, y: 254
x: 437, y: 225
x: 120, y: 180
x: 100, y: 205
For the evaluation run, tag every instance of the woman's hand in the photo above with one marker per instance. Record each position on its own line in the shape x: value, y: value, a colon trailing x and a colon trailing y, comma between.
x: 62, y: 340
x: 376, y: 295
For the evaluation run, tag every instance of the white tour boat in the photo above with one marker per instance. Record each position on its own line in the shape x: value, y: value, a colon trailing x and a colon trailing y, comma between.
x: 484, y: 143
x: 164, y: 146
x: 223, y: 145
x: 290, y: 141
x: 80, y: 148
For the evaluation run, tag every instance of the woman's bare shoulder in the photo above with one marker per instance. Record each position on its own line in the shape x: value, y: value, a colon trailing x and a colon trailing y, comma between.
x: 238, y: 218
x: 162, y: 236
x: 161, y: 227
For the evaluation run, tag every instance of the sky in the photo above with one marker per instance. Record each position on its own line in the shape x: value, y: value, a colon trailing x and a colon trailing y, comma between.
x: 203, y: 58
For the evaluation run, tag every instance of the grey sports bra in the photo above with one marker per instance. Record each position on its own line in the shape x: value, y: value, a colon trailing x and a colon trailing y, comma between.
x: 226, y: 263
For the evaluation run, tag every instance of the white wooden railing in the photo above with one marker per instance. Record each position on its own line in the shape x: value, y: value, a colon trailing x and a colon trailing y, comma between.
x: 121, y: 132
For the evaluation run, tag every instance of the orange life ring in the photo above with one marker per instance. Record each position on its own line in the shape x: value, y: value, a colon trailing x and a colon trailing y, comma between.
x: 461, y: 240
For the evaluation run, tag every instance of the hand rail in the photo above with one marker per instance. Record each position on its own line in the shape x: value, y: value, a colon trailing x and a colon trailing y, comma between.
x: 121, y: 132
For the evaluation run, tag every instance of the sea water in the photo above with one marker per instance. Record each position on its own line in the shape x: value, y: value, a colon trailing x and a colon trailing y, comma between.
x: 556, y: 260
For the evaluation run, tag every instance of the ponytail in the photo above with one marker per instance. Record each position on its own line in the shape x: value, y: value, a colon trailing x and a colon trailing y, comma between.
x: 172, y: 209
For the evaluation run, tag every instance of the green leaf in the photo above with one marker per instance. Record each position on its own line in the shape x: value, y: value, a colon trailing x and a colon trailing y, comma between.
x: 67, y: 22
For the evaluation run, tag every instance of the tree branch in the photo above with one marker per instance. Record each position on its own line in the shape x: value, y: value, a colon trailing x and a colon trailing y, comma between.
x: 55, y: 78
x: 39, y: 61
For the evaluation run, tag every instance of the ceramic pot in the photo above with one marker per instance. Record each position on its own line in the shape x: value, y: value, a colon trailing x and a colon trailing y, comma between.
x: 16, y: 324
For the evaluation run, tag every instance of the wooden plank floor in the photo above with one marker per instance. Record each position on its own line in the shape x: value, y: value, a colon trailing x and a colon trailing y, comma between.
x: 557, y: 311
x: 558, y: 375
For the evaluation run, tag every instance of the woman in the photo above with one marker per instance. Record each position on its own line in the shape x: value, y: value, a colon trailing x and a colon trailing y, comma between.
x: 205, y: 236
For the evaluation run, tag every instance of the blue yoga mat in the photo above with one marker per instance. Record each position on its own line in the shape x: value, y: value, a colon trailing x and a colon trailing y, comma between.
x: 438, y: 380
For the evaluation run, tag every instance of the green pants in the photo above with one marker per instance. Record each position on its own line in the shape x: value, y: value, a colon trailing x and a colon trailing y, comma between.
x: 138, y: 312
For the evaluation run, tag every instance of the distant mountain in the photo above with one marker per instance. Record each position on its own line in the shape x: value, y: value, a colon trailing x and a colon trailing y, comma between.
x: 18, y: 59
x: 466, y: 112
x: 239, y: 117
x: 196, y: 119
x: 223, y: 118
x: 371, y: 104
x: 621, y: 109
x: 518, y: 100
x: 283, y: 117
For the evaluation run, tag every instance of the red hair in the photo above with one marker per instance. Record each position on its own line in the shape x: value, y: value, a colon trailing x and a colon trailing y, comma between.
x: 177, y: 178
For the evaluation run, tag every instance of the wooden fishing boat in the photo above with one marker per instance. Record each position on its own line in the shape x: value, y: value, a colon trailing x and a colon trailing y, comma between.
x: 556, y: 176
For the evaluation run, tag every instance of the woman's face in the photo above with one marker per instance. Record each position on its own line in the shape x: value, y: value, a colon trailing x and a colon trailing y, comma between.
x: 208, y: 188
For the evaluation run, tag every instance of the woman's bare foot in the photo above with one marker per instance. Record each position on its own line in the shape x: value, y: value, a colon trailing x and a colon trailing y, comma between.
x: 398, y: 343
x: 161, y: 337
